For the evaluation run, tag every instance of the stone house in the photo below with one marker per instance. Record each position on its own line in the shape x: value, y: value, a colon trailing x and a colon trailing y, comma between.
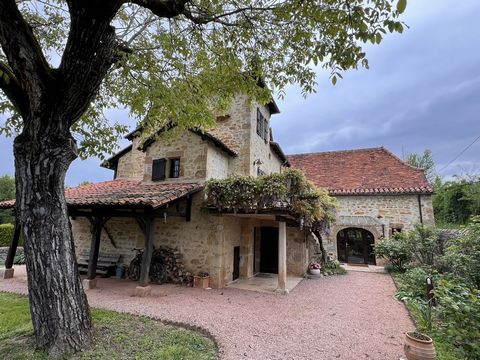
x: 156, y: 199
x: 162, y: 178
x: 378, y: 194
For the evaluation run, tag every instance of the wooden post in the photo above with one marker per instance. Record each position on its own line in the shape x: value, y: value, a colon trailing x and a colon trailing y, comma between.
x: 147, y: 257
x: 90, y: 282
x: 188, y: 215
x: 430, y: 297
x: 8, y: 272
x: 282, y: 258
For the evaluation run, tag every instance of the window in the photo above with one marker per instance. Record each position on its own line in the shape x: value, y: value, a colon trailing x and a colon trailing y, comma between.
x: 158, y: 169
x: 265, y: 130
x: 396, y: 230
x: 259, y: 123
x: 174, y: 168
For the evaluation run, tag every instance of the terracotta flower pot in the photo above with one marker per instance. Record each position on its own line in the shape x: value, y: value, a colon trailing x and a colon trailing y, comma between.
x: 419, y: 347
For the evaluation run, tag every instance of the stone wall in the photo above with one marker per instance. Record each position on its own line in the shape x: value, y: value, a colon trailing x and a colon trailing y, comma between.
x: 399, y: 211
x: 131, y: 164
x: 191, y: 150
x: 217, y: 163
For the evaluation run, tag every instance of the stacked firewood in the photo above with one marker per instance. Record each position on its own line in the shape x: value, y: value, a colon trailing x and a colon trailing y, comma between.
x: 172, y: 269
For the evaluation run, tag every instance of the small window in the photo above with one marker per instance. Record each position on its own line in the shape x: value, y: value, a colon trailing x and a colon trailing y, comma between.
x: 174, y: 168
x: 396, y: 230
x: 259, y: 123
x: 158, y: 169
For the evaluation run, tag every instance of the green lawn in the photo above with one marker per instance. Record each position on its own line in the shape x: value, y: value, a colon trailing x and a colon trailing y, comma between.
x: 118, y: 336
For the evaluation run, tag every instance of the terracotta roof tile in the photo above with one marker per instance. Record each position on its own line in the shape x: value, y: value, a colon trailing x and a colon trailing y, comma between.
x: 120, y: 193
x: 372, y: 171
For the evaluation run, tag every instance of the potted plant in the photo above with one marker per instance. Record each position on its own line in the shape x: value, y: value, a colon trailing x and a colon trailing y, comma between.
x: 314, y: 268
x: 201, y: 280
x: 419, y: 346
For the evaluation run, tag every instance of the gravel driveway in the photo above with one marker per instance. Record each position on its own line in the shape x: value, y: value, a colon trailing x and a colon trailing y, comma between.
x: 343, y: 317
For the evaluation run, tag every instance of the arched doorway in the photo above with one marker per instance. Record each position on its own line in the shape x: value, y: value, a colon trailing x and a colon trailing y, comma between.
x: 354, y: 245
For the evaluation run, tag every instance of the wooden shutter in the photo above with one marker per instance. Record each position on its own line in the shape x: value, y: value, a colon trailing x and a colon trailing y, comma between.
x: 265, y: 130
x: 259, y: 123
x: 158, y: 169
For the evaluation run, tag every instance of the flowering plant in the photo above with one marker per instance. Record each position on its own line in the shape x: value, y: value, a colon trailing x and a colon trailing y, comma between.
x: 314, y: 265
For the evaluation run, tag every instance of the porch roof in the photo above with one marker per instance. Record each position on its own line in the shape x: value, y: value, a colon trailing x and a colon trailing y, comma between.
x: 122, y: 193
x: 357, y: 221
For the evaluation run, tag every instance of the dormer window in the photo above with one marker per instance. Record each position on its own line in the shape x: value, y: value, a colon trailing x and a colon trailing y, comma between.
x: 162, y: 167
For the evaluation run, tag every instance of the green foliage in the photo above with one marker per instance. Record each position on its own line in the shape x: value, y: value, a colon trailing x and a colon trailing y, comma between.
x: 7, y: 192
x: 456, y: 201
x: 19, y: 259
x: 395, y: 251
x: 188, y: 68
x: 425, y: 162
x: 458, y: 316
x: 413, y: 282
x: 422, y: 244
x: 118, y: 336
x: 289, y: 191
x: 6, y: 234
x: 462, y: 254
x: 332, y: 267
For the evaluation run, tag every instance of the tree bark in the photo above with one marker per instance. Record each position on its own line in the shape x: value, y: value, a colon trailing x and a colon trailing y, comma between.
x: 58, y: 305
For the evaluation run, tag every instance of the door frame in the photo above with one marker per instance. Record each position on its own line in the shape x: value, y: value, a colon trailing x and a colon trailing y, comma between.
x: 366, y: 244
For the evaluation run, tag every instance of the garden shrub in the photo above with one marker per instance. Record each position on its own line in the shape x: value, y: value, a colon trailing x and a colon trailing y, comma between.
x: 332, y: 267
x: 6, y: 233
x: 462, y: 254
x: 396, y: 252
x: 413, y: 282
x: 422, y: 244
x: 458, y: 316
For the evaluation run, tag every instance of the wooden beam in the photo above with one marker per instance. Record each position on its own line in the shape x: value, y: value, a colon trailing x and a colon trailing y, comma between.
x: 97, y: 223
x: 188, y: 215
x: 13, y: 245
x: 148, y: 251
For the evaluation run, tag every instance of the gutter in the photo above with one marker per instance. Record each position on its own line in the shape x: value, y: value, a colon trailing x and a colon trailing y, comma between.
x: 420, y: 208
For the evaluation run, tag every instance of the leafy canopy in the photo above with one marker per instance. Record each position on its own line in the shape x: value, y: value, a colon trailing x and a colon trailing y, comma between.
x: 186, y: 69
x: 424, y: 161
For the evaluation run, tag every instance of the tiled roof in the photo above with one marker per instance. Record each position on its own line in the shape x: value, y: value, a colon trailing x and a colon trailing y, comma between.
x: 372, y: 171
x: 124, y: 193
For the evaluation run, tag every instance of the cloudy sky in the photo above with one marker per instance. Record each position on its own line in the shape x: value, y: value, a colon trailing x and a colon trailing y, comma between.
x: 422, y: 91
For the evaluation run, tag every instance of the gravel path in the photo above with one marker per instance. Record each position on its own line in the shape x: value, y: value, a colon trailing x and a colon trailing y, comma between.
x: 344, y: 317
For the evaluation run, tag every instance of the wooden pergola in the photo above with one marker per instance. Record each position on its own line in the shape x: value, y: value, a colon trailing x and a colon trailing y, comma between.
x: 98, y: 209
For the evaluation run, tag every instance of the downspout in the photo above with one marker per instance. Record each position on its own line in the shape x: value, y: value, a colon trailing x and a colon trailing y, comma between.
x: 420, y: 208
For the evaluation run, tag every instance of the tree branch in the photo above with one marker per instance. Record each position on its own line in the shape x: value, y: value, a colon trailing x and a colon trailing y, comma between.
x: 12, y: 89
x: 23, y: 52
x: 162, y: 8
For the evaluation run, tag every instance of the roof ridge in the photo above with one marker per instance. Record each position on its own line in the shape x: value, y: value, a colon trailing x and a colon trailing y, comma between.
x: 338, y: 151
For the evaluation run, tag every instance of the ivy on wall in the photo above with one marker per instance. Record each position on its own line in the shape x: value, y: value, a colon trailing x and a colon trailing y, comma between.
x: 289, y: 191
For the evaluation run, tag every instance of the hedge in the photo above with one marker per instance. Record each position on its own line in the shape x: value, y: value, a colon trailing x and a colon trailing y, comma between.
x: 6, y: 233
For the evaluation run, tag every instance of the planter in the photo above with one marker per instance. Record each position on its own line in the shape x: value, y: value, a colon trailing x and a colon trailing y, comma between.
x: 314, y: 271
x: 419, y: 347
x: 201, y: 281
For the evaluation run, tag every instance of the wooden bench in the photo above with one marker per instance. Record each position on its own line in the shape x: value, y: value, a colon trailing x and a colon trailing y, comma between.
x: 105, y: 263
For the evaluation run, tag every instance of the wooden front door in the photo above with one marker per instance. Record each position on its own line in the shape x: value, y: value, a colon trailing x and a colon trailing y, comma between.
x: 354, y: 246
x: 269, y: 250
x: 236, y: 262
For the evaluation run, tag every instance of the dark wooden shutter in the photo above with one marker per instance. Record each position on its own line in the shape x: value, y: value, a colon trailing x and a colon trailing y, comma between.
x: 158, y: 169
x: 265, y: 130
x: 259, y: 123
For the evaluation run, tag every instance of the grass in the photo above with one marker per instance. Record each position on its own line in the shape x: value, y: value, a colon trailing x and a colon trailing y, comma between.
x: 445, y: 350
x: 117, y: 336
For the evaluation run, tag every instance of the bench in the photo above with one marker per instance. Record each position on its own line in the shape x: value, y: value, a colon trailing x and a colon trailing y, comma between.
x: 105, y: 263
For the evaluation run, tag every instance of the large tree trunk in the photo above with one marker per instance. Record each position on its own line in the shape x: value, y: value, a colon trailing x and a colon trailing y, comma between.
x: 59, y: 308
